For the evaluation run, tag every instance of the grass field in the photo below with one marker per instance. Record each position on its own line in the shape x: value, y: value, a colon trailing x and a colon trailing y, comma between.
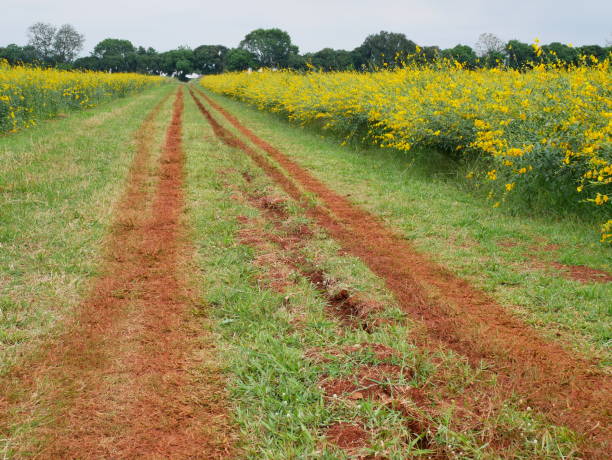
x: 171, y: 285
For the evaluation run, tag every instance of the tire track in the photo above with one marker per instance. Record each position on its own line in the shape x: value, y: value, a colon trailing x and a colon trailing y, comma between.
x: 126, y: 376
x: 569, y: 390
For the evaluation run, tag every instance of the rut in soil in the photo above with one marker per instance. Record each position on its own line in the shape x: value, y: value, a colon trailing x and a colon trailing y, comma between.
x: 125, y: 372
x: 569, y: 390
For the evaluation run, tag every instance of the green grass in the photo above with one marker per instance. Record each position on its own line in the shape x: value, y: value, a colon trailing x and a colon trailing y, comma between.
x: 430, y: 204
x: 273, y: 341
x: 59, y: 183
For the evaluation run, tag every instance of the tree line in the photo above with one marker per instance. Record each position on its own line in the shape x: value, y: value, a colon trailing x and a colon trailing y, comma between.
x: 272, y: 48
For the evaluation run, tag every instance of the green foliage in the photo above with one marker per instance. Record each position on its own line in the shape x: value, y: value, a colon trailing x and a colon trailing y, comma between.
x: 239, y: 59
x: 383, y: 48
x: 463, y: 54
x: 559, y: 53
x: 519, y: 54
x: 16, y: 54
x: 113, y: 47
x: 595, y: 51
x: 177, y: 62
x: 329, y: 59
x: 113, y: 54
x: 271, y: 47
x: 209, y: 59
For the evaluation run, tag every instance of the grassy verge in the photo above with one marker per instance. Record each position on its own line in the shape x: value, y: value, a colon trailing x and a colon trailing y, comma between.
x: 58, y: 185
x: 512, y: 256
x: 287, y: 352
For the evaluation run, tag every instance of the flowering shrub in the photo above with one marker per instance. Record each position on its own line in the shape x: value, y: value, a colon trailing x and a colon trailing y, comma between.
x: 29, y: 94
x: 547, y: 125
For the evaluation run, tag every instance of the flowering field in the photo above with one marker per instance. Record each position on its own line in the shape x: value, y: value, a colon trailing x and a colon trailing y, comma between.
x: 29, y: 94
x: 546, y: 128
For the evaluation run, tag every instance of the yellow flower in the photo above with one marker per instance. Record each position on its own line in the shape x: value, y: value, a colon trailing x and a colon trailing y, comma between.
x: 565, y: 112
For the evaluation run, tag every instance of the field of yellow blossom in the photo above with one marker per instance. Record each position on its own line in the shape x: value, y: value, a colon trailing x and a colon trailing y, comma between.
x: 546, y: 128
x: 30, y: 94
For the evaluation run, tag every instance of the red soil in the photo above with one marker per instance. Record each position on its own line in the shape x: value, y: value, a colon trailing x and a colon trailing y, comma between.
x: 369, y: 382
x: 580, y: 273
x: 125, y: 372
x: 583, y: 273
x: 565, y: 387
x: 348, y: 436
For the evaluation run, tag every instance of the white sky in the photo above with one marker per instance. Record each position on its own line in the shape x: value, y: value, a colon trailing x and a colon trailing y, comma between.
x: 314, y: 24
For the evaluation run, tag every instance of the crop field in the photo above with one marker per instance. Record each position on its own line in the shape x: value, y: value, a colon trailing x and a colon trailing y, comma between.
x: 546, y: 131
x: 29, y: 94
x: 407, y: 263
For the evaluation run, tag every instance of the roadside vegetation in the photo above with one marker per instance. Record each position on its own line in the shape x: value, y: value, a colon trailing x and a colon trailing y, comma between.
x: 539, y: 139
x: 29, y: 95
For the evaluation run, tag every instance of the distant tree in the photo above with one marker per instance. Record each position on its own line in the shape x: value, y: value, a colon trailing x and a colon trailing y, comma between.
x: 239, y: 59
x: 297, y: 62
x: 594, y: 51
x: 463, y: 54
x: 329, y: 59
x: 116, y: 55
x: 424, y: 55
x: 16, y: 54
x: 67, y: 43
x: 493, y: 59
x: 271, y: 47
x: 560, y: 53
x: 489, y: 44
x: 431, y: 53
x: 178, y: 62
x: 209, y: 59
x: 146, y: 60
x: 383, y: 48
x: 113, y: 47
x: 87, y: 63
x: 183, y: 66
x: 519, y: 55
x: 41, y: 37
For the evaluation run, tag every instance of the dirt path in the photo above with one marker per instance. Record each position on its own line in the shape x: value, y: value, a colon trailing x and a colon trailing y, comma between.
x: 569, y: 390
x: 127, y: 378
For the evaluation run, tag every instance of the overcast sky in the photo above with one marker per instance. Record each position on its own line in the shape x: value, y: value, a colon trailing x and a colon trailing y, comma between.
x: 312, y: 24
